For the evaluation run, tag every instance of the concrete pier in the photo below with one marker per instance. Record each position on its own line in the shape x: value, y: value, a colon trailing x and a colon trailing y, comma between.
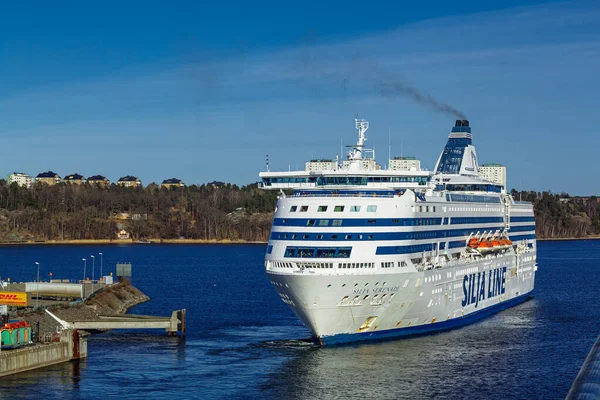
x: 71, y: 345
x: 175, y: 323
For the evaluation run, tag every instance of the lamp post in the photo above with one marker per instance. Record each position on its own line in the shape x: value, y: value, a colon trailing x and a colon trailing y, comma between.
x: 93, y: 268
x: 84, y: 267
x: 101, y: 276
x: 37, y: 290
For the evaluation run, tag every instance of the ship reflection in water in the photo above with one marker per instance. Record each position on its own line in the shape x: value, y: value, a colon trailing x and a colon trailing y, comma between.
x: 463, y: 363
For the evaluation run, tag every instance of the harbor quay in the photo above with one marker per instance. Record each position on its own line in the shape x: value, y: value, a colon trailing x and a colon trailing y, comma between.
x: 68, y: 345
x: 51, y: 324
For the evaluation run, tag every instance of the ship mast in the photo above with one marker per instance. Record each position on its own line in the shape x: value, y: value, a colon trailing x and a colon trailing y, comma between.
x: 361, y: 125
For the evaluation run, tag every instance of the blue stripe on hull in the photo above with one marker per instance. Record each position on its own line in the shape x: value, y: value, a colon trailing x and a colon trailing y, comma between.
x: 423, y: 329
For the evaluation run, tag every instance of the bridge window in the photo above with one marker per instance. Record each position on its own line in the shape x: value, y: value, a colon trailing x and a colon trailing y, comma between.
x: 344, y: 253
x: 338, y: 208
x: 371, y: 208
x: 293, y: 208
x: 306, y: 252
x: 354, y: 208
x: 322, y: 209
x: 290, y: 251
x: 304, y: 209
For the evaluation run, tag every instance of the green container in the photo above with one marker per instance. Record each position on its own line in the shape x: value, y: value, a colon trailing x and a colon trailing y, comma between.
x: 15, y: 337
x: 7, y: 339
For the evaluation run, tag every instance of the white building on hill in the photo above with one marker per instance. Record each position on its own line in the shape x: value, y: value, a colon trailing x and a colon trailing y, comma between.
x: 494, y: 173
x: 20, y: 179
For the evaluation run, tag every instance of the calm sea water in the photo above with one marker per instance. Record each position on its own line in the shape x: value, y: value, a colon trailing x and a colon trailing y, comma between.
x: 243, y: 342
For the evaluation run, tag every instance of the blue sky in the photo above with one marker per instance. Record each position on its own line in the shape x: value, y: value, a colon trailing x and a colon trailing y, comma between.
x: 203, y: 92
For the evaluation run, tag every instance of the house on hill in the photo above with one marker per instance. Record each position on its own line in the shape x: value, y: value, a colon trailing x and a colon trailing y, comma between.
x: 129, y: 181
x: 77, y: 179
x: 173, y: 182
x: 98, y: 180
x: 216, y: 184
x: 20, y: 179
x: 49, y: 178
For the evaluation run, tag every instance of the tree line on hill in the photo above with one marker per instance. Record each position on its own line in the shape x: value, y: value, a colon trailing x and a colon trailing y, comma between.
x: 562, y: 216
x: 74, y: 212
x: 208, y: 212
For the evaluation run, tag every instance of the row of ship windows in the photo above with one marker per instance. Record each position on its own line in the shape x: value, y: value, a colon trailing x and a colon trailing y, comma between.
x: 319, y: 252
x: 433, y: 278
x: 372, y: 208
x: 386, y: 264
x: 357, y: 265
x: 423, y: 208
x: 340, y: 222
x: 394, y: 221
x: 383, y: 236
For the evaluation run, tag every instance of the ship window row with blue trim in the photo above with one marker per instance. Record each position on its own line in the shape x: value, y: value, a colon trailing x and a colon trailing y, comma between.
x: 347, y: 180
x: 359, y: 222
x: 471, y: 198
x: 372, y: 208
x: 474, y: 220
x: 269, y: 249
x: 411, y: 235
x: 416, y: 248
x: 318, y: 252
x: 471, y: 188
x: 348, y: 193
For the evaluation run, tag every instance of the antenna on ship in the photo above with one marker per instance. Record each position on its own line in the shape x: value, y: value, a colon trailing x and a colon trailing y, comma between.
x: 389, y: 144
x: 267, y: 163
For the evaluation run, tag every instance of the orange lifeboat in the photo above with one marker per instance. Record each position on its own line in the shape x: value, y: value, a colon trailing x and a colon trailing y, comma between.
x: 485, y: 244
x: 473, y: 243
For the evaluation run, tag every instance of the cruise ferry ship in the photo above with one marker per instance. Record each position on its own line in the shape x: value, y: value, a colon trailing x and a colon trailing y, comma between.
x: 359, y: 252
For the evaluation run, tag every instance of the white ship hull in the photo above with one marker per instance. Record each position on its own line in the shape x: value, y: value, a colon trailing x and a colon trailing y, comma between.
x: 345, y: 308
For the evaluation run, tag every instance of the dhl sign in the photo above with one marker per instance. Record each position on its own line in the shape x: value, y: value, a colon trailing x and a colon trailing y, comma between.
x: 14, y: 298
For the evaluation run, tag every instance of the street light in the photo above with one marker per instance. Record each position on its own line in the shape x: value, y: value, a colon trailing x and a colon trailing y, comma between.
x: 93, y: 268
x: 37, y: 290
x: 84, y: 267
x: 101, y: 276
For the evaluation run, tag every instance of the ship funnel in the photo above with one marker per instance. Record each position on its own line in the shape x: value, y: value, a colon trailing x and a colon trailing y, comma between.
x: 459, y: 157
